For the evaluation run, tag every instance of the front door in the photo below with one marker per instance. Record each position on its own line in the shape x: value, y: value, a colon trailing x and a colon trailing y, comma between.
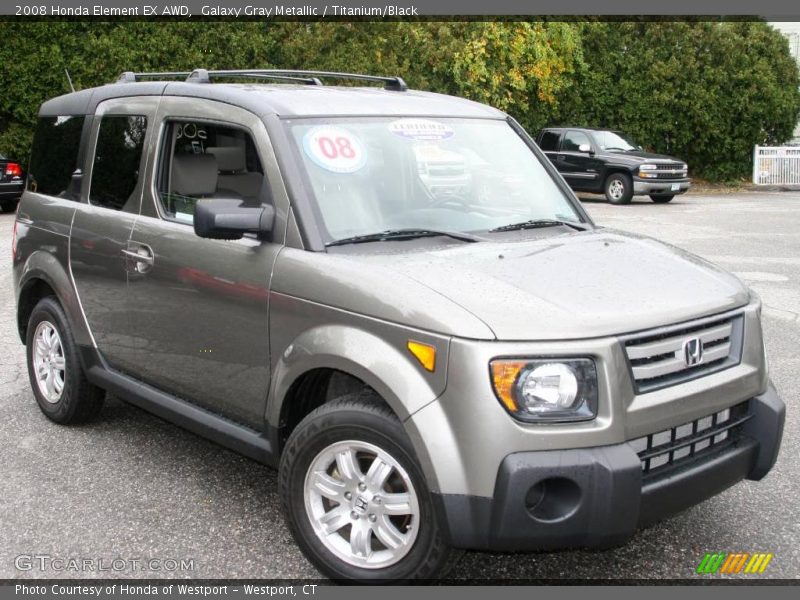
x: 201, y: 306
x: 103, y: 222
x: 576, y: 161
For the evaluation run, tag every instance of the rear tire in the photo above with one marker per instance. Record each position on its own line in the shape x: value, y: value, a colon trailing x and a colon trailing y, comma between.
x: 60, y: 386
x: 8, y: 206
x: 349, y: 469
x: 619, y: 188
x: 661, y: 199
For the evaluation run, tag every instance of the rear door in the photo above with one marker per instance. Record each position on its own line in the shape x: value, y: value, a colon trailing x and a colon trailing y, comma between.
x: 548, y: 142
x: 201, y: 306
x: 110, y: 203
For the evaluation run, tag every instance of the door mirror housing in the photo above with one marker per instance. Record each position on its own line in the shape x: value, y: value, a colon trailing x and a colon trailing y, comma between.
x: 229, y: 219
x: 585, y: 148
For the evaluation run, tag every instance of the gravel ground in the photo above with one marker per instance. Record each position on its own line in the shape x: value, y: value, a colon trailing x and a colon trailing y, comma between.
x: 132, y: 486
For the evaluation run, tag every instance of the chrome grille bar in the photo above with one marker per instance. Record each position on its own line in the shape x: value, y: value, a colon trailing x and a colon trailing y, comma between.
x: 659, y: 358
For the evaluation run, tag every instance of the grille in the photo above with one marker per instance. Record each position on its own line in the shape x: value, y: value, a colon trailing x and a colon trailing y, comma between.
x: 663, y: 357
x: 675, y: 447
x: 670, y: 171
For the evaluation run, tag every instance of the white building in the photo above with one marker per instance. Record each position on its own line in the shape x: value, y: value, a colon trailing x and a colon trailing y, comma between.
x: 792, y: 32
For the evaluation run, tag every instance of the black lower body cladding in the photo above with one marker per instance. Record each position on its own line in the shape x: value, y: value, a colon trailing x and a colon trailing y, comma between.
x: 598, y: 497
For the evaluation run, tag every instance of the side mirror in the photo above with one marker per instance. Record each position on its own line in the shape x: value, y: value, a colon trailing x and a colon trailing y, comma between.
x: 585, y: 148
x: 227, y: 219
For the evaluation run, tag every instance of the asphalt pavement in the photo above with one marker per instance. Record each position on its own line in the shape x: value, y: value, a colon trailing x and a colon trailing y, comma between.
x: 132, y: 488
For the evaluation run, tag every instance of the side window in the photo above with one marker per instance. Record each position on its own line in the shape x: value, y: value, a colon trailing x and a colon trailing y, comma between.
x: 206, y: 160
x: 573, y: 140
x: 549, y: 141
x: 117, y: 157
x: 54, y: 156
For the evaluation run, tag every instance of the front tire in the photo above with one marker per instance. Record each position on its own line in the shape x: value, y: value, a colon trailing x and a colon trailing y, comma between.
x: 619, y: 188
x: 661, y: 199
x: 59, y: 384
x: 355, y: 498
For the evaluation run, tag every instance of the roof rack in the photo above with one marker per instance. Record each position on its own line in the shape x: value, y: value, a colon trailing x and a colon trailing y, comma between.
x: 308, y: 77
x: 390, y: 83
x: 204, y: 76
x: 131, y: 77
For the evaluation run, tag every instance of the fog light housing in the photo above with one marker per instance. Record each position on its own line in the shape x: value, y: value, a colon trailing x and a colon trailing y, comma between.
x: 547, y: 389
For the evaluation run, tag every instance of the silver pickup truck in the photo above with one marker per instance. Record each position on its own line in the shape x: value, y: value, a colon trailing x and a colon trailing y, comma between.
x: 261, y: 259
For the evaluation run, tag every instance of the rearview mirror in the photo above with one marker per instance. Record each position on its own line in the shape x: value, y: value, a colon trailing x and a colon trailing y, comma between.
x: 584, y: 148
x: 228, y: 219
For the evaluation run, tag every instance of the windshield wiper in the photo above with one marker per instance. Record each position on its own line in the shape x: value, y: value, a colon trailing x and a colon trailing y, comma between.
x: 537, y: 223
x: 402, y: 234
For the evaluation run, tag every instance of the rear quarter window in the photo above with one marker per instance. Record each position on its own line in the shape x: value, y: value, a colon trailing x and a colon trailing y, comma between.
x: 54, y: 156
x: 549, y: 141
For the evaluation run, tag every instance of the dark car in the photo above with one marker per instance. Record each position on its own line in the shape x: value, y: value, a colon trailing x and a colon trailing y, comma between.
x: 608, y: 162
x: 12, y: 182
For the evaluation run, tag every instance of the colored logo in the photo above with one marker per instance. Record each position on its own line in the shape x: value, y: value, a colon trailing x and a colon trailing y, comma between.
x: 734, y: 563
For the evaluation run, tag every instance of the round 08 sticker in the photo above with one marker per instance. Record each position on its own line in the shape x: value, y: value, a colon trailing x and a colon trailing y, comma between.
x: 334, y: 149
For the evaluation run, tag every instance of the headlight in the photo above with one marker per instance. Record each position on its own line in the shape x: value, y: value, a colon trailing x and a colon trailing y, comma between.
x: 648, y: 171
x: 547, y: 389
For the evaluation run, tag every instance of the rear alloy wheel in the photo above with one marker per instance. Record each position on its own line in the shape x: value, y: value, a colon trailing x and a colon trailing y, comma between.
x: 661, y: 199
x: 619, y: 188
x: 57, y: 378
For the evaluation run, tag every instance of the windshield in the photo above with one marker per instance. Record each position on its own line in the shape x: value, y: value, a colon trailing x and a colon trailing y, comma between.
x: 612, y: 140
x: 371, y: 175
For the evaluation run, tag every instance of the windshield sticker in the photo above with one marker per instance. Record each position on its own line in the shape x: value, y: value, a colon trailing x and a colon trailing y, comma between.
x: 334, y: 149
x: 421, y: 129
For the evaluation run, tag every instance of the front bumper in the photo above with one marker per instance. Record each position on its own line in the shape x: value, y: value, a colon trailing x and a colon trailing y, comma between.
x: 598, y: 497
x: 660, y: 186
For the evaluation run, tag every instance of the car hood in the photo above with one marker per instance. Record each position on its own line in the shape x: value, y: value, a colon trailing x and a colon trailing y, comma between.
x: 570, y: 286
x: 639, y: 156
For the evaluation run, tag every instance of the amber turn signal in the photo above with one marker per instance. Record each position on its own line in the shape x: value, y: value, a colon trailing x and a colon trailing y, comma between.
x: 424, y: 353
x: 504, y: 376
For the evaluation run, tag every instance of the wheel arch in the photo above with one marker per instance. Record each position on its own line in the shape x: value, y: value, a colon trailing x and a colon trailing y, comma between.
x: 331, y: 360
x: 44, y: 275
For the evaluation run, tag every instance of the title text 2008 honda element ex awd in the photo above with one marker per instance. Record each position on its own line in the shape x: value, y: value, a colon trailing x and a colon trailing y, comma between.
x: 393, y: 297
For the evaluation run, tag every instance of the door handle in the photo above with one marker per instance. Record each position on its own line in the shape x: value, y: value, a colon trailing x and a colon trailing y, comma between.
x: 139, y: 257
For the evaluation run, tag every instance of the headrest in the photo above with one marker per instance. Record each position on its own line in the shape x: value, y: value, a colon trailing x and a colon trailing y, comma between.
x: 229, y: 158
x: 194, y: 174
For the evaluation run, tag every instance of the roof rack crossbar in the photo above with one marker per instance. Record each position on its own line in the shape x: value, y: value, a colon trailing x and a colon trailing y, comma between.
x: 131, y: 77
x: 308, y: 77
x: 390, y: 83
x: 204, y: 76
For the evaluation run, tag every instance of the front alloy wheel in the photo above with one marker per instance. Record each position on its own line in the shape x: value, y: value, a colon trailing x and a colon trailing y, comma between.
x: 362, y: 504
x: 355, y: 498
x: 619, y: 188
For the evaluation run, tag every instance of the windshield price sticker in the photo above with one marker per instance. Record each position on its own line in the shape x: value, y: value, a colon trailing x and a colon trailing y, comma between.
x: 334, y: 149
x: 421, y: 129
